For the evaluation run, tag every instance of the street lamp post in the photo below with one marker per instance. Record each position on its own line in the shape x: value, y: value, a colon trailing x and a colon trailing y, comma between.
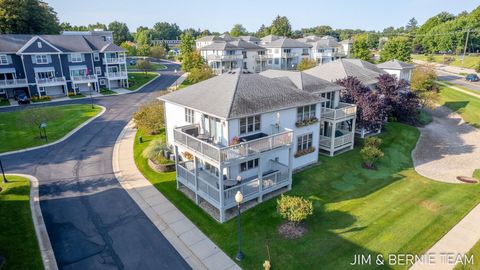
x: 90, y: 88
x: 176, y: 79
x: 3, y: 173
x: 239, y: 199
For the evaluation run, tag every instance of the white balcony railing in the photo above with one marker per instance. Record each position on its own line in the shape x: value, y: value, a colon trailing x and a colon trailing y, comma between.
x: 116, y: 60
x: 50, y: 81
x: 13, y: 83
x: 229, y: 153
x: 343, y: 111
x: 85, y: 78
x: 231, y: 57
x: 116, y: 75
x: 345, y: 139
x: 263, y: 57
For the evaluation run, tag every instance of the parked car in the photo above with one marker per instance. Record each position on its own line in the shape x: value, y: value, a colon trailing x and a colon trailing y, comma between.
x: 22, y: 99
x: 472, y: 78
x: 133, y: 62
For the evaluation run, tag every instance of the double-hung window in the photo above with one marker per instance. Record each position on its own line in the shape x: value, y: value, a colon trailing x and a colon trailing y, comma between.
x: 76, y: 57
x: 96, y: 57
x: 41, y: 59
x: 189, y: 116
x: 306, y: 112
x: 98, y: 71
x: 249, y: 124
x: 3, y: 59
x: 245, y: 166
x: 304, y: 142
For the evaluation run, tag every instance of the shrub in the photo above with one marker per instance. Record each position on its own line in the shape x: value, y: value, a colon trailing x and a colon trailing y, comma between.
x: 157, y: 52
x: 306, y: 63
x: 294, y: 209
x: 373, y: 141
x: 477, y: 67
x: 155, y: 151
x: 144, y: 66
x: 370, y: 155
x: 200, y: 74
x: 150, y: 117
x: 41, y: 99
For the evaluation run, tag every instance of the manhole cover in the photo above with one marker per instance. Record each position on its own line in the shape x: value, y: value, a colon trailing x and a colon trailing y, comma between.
x: 467, y: 179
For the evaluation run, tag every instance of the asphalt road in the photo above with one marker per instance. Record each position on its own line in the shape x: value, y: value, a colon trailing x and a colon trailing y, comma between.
x: 457, y: 79
x: 91, y: 220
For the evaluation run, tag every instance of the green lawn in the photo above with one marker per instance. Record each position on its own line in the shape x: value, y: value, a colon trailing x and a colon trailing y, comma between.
x: 156, y: 66
x: 18, y: 242
x: 467, y: 106
x: 475, y: 251
x: 462, y: 87
x: 390, y: 210
x: 18, y: 133
x: 107, y: 92
x: 185, y: 83
x: 470, y: 61
x: 476, y: 174
x: 138, y: 79
x: 4, y: 102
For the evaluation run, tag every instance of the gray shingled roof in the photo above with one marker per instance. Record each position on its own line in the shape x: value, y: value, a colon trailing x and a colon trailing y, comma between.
x: 343, y: 68
x: 249, y: 38
x: 287, y: 43
x: 65, y: 43
x: 395, y: 64
x: 365, y: 64
x: 237, y: 95
x: 302, y: 80
x: 326, y: 42
x: 220, y: 46
x: 210, y: 38
x: 269, y: 38
x: 246, y: 45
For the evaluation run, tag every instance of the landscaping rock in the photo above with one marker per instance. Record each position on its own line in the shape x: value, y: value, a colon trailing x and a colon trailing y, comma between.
x: 161, y: 167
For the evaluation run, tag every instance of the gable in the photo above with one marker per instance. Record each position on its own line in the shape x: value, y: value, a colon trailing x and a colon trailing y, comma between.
x: 38, y: 45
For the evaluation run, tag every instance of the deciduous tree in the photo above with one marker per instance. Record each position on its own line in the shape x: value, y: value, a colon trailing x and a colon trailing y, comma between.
x: 423, y: 84
x: 121, y: 33
x: 238, y: 30
x: 27, y: 17
x: 396, y: 48
x: 149, y: 118
x: 144, y: 66
x: 360, y: 48
x: 158, y: 52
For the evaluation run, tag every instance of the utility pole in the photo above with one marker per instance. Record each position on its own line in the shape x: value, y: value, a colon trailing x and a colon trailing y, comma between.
x: 465, y: 48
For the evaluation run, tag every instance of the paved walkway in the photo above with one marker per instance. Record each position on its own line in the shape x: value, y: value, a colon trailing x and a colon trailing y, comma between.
x: 459, y: 240
x: 194, y: 246
x: 447, y: 148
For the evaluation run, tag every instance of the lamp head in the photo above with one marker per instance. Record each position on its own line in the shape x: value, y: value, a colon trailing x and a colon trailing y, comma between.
x: 239, y: 197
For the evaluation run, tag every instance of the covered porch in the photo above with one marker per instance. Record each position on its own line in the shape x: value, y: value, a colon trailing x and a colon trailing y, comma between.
x: 336, y: 137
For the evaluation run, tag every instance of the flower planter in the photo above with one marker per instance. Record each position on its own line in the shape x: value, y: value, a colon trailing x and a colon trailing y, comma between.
x: 305, y: 123
x: 304, y: 152
x: 161, y: 167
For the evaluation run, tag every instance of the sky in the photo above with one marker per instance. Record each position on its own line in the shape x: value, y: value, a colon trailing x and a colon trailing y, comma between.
x: 220, y: 16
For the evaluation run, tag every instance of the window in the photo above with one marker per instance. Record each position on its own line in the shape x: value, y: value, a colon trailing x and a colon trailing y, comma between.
x: 41, y: 59
x: 96, y: 57
x: 304, y: 142
x: 305, y: 51
x: 276, y: 50
x: 41, y: 89
x: 320, y: 50
x: 102, y: 82
x: 3, y: 59
x: 276, y: 61
x: 249, y: 124
x: 98, y: 71
x: 305, y: 113
x: 251, y: 164
x: 76, y: 57
x: 189, y: 116
x: 39, y: 44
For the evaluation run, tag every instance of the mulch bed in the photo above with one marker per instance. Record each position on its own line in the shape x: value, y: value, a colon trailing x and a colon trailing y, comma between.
x: 290, y: 231
x: 467, y: 179
x: 368, y: 167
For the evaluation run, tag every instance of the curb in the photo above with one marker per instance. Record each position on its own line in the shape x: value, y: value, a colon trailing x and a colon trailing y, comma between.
x: 192, y: 244
x: 68, y: 135
x: 48, y: 257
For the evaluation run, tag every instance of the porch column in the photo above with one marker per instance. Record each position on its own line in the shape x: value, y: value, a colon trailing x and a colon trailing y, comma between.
x: 260, y: 179
x: 332, y: 142
x: 109, y: 86
x: 195, y: 167
x: 353, y: 133
x: 38, y: 90
x: 176, y: 164
x: 290, y: 166
x: 222, y: 199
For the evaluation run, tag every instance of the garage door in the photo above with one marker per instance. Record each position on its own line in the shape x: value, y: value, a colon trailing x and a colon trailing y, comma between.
x: 84, y: 87
x: 54, y: 91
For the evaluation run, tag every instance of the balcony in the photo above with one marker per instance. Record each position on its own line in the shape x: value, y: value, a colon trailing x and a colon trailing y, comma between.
x: 342, y: 112
x: 84, y: 79
x: 343, y: 139
x: 13, y: 83
x: 263, y: 57
x: 116, y: 75
x: 277, y: 176
x: 54, y: 81
x: 231, y: 57
x: 113, y: 61
x: 187, y: 137
x: 289, y: 55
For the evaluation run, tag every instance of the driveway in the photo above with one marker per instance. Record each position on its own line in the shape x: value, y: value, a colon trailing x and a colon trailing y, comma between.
x: 447, y: 148
x: 91, y: 220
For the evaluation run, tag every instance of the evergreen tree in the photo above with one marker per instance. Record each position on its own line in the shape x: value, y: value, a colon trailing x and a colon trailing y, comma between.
x: 281, y: 26
x: 121, y: 33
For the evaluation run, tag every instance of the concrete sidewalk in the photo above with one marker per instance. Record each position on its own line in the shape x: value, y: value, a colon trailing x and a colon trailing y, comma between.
x: 458, y: 241
x: 194, y: 246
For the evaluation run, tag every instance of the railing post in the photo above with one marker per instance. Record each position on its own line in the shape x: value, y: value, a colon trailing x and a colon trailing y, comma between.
x: 195, y: 166
x: 260, y: 179
x: 221, y: 190
x: 176, y: 164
